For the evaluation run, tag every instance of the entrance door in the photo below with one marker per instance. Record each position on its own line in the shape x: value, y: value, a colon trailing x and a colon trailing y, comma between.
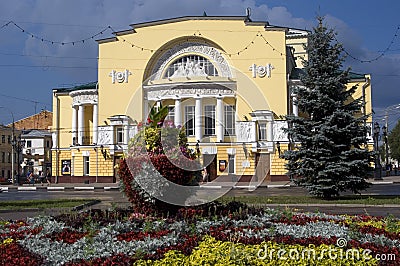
x: 262, y: 166
x: 116, y: 177
x: 210, y: 162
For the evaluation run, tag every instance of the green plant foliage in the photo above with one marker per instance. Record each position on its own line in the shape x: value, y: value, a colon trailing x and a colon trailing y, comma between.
x: 157, y: 154
x: 330, y: 156
x: 394, y: 142
x: 213, y: 252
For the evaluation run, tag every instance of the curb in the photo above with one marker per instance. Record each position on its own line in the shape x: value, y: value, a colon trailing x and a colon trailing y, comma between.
x: 55, y: 188
x: 330, y: 205
x: 82, y: 206
x: 383, y: 182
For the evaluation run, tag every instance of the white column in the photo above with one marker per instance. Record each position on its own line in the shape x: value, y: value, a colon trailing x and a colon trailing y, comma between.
x: 126, y: 132
x: 198, y: 113
x: 178, y: 113
x: 81, y: 125
x: 95, y: 122
x: 294, y: 105
x: 270, y: 129
x: 220, y: 119
x: 74, y: 124
x: 112, y: 136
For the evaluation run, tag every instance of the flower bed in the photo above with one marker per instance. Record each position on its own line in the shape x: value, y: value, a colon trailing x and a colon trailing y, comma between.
x: 192, y: 237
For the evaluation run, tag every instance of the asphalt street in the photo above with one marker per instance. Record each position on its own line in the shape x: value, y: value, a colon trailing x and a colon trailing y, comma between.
x: 114, y: 198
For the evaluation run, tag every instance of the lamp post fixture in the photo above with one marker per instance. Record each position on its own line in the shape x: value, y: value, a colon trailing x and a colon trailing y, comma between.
x: 385, y: 139
x: 378, y: 172
x: 18, y: 145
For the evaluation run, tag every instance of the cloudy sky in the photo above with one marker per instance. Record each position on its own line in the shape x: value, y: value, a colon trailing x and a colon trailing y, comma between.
x: 30, y: 68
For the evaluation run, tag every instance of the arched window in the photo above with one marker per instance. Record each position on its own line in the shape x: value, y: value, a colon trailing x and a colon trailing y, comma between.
x: 191, y: 66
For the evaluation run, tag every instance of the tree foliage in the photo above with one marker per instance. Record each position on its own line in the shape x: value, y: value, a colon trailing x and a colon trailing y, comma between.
x: 394, y: 142
x: 330, y: 155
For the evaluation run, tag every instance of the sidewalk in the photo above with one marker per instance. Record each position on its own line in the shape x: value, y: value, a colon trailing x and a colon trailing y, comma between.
x: 60, y: 187
x: 209, y: 185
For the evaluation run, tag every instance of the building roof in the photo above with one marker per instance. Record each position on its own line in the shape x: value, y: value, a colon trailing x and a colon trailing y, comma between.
x: 88, y: 86
x: 298, y: 72
x: 34, y: 133
x: 247, y: 20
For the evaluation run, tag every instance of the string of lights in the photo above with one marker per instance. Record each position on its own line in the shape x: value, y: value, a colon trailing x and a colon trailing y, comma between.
x: 381, y: 54
x: 44, y: 39
x: 197, y: 33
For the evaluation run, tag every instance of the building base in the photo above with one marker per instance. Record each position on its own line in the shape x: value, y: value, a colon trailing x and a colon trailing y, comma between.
x: 84, y: 179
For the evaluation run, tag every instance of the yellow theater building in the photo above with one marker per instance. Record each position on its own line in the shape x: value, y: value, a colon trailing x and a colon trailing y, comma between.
x: 228, y: 80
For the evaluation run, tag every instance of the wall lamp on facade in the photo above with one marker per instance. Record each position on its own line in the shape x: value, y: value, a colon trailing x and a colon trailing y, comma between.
x: 104, y: 152
x: 246, y: 152
x: 198, y: 147
x: 278, y: 147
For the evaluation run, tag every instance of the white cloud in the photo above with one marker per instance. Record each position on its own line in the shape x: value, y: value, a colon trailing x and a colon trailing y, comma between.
x: 75, y: 19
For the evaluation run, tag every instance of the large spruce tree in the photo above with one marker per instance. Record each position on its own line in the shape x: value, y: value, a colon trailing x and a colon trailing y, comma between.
x: 329, y: 156
x: 394, y: 142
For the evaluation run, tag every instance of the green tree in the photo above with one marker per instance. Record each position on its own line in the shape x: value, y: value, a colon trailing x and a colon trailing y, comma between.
x: 330, y: 156
x: 394, y: 142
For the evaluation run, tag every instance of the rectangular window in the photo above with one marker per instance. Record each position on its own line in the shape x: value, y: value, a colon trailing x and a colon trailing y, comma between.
x: 3, y: 138
x: 120, y: 135
x: 9, y: 174
x: 2, y: 173
x: 262, y: 131
x: 9, y: 157
x: 189, y: 120
x: 231, y: 164
x: 3, y: 157
x: 229, y: 120
x: 9, y: 139
x: 86, y: 165
x: 171, y: 113
x: 48, y: 144
x: 29, y: 143
x: 209, y: 120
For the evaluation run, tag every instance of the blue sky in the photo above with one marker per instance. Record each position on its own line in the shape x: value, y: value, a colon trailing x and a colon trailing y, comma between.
x: 30, y: 68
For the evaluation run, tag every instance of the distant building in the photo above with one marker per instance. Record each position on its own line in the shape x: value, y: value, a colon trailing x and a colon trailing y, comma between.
x: 41, y: 121
x: 37, y: 151
x: 32, y: 143
x: 6, y: 150
x: 228, y: 80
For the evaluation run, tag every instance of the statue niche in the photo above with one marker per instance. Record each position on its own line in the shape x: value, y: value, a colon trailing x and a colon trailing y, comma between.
x: 191, y: 66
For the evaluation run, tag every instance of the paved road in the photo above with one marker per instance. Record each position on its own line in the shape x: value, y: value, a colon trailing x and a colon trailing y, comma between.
x: 108, y: 199
x: 116, y: 198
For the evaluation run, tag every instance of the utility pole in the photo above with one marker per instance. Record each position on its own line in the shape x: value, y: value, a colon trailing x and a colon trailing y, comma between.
x: 385, y: 136
x: 12, y: 151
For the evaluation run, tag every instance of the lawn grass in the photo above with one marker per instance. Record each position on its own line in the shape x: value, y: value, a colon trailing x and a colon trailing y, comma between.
x: 348, y: 199
x: 42, y: 204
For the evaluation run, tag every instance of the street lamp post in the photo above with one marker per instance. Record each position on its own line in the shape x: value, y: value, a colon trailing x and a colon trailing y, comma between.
x: 18, y: 145
x: 384, y: 130
x: 378, y: 172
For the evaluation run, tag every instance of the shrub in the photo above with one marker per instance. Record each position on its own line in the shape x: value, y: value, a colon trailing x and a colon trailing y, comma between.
x: 157, y: 155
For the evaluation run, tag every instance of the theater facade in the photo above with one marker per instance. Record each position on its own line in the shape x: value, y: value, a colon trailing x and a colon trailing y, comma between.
x: 227, y: 80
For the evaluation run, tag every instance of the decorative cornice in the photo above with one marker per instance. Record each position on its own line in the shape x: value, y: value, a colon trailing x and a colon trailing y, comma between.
x: 155, y: 94
x: 84, y: 97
